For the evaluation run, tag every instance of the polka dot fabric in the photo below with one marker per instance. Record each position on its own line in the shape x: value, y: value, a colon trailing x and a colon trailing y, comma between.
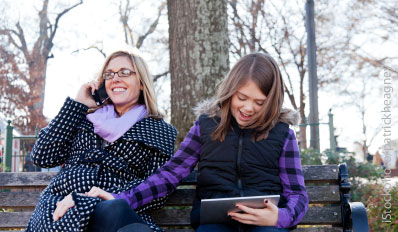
x: 87, y: 161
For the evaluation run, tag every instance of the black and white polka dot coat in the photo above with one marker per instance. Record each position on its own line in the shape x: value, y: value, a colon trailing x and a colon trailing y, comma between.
x: 87, y: 161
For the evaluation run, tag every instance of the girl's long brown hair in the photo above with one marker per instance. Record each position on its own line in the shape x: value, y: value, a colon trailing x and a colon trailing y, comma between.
x: 262, y: 70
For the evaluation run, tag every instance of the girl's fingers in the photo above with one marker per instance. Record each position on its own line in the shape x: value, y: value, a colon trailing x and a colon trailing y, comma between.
x: 270, y: 205
x: 97, y: 192
x: 243, y: 216
x: 243, y: 221
x: 246, y: 209
x: 93, y: 192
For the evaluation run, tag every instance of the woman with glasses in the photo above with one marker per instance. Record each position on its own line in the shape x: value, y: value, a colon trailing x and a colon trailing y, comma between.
x: 112, y: 147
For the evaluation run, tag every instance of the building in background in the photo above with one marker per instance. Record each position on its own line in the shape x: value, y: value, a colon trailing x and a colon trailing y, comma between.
x: 380, y: 158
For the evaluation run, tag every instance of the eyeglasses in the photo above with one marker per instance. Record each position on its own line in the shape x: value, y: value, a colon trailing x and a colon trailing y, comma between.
x: 121, y: 73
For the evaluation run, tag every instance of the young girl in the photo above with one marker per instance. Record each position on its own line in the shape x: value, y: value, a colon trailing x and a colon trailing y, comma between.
x: 244, y: 147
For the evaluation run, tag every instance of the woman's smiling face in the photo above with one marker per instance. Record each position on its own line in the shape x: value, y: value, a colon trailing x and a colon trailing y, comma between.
x: 123, y: 91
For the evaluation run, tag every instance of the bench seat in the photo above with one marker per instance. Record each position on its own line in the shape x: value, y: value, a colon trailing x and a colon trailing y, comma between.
x: 327, y: 187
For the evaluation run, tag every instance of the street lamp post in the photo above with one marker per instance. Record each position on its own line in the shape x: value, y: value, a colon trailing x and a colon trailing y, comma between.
x: 312, y: 76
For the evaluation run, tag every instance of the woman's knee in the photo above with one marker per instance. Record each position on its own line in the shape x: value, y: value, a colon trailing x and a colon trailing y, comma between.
x: 111, y: 209
x: 267, y: 229
x: 136, y: 227
x: 214, y: 228
x: 111, y: 215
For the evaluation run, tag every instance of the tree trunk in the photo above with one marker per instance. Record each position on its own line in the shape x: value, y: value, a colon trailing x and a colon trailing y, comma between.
x: 198, y: 39
x: 37, y: 86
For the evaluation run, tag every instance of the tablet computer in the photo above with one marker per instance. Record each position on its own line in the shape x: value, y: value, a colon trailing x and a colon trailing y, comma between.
x: 216, y: 210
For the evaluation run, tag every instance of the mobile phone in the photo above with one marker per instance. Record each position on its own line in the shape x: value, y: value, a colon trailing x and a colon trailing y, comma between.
x: 100, y: 95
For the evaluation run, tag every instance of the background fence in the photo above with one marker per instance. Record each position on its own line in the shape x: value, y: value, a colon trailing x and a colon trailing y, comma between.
x: 15, y: 154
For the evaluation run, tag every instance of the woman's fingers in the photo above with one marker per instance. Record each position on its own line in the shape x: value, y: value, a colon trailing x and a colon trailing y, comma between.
x: 85, y: 92
x: 94, y: 85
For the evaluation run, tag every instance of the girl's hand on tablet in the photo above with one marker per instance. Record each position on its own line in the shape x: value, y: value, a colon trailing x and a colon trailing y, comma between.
x: 260, y: 217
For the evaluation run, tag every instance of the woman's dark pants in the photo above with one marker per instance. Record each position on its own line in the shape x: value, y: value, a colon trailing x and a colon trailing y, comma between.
x: 116, y: 216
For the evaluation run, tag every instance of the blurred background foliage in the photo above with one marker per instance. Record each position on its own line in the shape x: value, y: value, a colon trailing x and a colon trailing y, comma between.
x: 368, y: 185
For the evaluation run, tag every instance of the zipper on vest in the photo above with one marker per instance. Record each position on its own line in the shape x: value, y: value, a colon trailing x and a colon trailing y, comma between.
x: 238, y: 159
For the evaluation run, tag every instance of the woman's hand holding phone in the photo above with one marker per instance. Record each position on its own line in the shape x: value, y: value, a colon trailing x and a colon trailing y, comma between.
x: 84, y: 95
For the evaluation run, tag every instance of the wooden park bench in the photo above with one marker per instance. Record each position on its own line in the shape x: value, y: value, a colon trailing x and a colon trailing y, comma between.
x: 327, y: 187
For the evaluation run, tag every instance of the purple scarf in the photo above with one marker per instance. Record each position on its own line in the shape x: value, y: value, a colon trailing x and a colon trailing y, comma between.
x: 109, y: 126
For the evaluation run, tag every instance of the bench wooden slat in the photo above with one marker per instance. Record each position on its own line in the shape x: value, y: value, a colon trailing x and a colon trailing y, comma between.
x: 18, y: 199
x: 24, y: 179
x: 323, y: 194
x: 181, y: 197
x: 9, y: 220
x: 308, y: 229
x: 316, y: 194
x: 316, y: 215
x: 326, y: 215
x: 321, y: 173
x: 312, y: 174
x: 319, y: 229
x: 179, y: 217
x: 42, y: 179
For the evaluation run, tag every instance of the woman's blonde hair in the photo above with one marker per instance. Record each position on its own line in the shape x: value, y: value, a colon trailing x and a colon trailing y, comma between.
x: 147, y: 94
x: 262, y: 70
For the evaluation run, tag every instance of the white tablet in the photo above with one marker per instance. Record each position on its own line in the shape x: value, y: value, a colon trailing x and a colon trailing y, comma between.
x: 216, y: 210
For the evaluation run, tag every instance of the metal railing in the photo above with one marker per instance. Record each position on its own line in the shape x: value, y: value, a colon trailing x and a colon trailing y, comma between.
x: 22, y: 153
x: 332, y: 139
x: 7, y: 159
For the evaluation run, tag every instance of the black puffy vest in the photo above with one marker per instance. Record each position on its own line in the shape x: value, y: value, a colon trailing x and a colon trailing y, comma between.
x: 239, y: 166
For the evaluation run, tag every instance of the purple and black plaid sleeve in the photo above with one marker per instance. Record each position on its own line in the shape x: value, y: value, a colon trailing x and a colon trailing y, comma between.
x: 166, y: 178
x: 292, y: 183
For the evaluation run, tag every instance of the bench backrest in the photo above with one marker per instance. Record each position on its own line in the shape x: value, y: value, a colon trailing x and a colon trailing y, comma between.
x: 20, y: 191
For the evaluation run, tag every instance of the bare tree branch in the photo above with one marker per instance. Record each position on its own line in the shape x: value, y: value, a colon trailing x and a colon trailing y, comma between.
x: 153, y: 26
x: 100, y: 50
x: 156, y: 77
x: 373, y: 61
x: 55, y: 26
x: 124, y: 18
x: 7, y: 33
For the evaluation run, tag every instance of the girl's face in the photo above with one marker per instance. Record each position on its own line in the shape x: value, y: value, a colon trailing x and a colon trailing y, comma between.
x: 123, y: 91
x: 246, y: 103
